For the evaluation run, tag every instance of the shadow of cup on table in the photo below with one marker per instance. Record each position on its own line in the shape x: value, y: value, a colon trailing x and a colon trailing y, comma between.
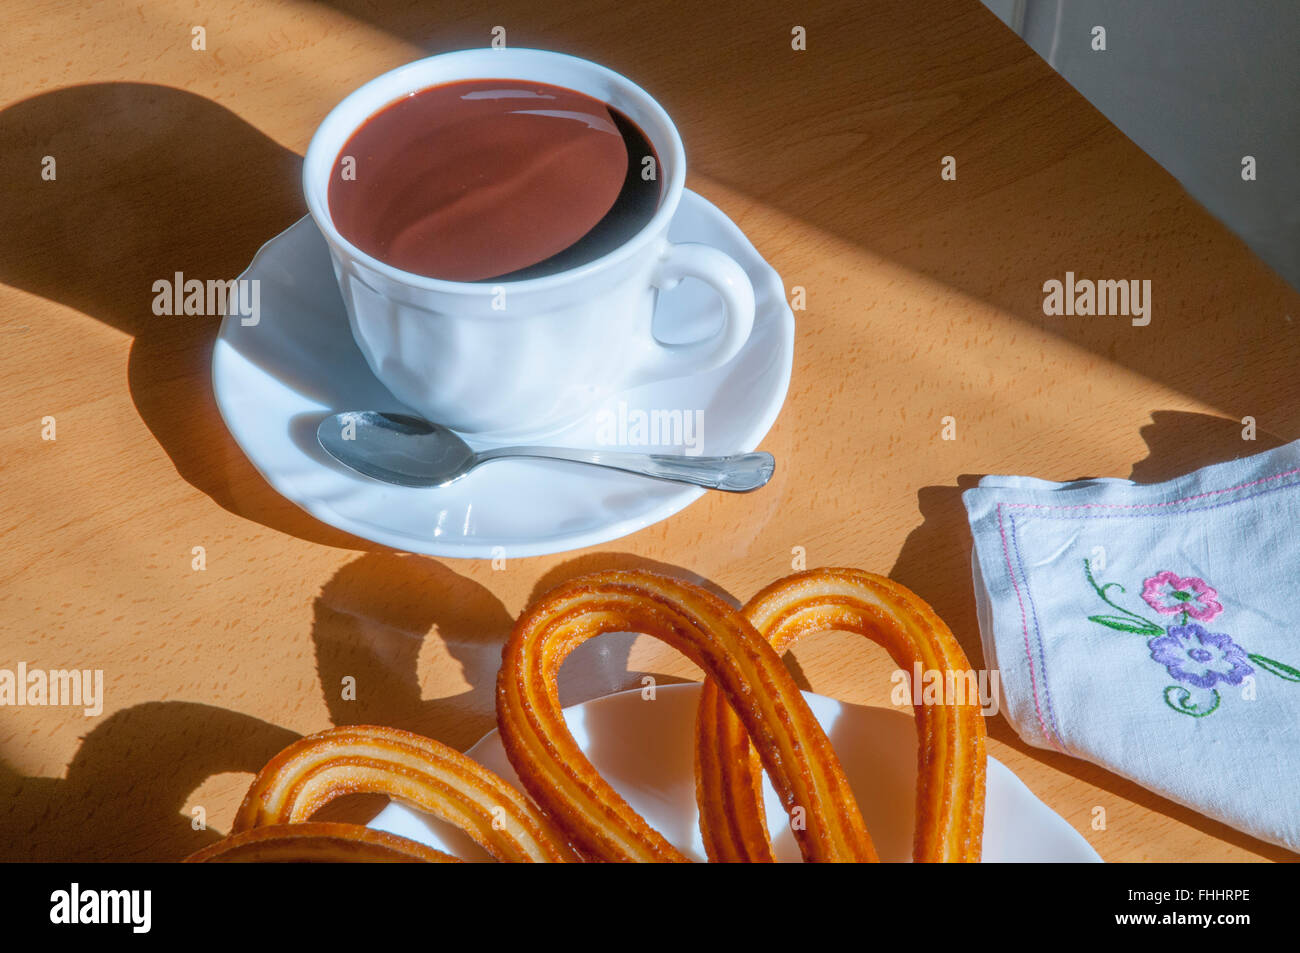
x: 378, y: 614
x: 372, y: 621
x: 149, y: 182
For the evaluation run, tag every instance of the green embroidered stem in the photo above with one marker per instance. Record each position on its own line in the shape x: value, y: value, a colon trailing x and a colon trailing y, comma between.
x: 1130, y: 622
x: 1274, y: 667
x: 1183, y: 708
x: 1124, y: 624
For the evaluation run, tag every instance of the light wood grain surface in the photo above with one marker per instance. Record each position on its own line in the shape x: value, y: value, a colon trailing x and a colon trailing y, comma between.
x: 923, y: 300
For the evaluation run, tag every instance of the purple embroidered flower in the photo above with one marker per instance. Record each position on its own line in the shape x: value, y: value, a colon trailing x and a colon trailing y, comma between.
x: 1200, y: 658
x: 1171, y: 594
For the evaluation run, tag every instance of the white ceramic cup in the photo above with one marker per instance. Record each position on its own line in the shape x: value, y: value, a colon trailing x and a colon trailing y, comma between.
x: 551, y: 347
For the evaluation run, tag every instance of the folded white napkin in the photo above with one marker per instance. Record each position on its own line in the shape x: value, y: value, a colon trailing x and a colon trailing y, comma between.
x: 1155, y: 629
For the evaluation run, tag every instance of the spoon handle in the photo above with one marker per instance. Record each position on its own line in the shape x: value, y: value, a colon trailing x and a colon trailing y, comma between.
x: 738, y: 473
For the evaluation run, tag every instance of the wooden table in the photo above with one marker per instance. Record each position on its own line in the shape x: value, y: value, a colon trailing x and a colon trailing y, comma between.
x: 924, y: 300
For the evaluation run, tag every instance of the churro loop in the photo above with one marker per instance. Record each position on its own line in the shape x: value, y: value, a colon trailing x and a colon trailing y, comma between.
x: 317, y: 843
x: 950, y: 757
x: 749, y: 673
x: 412, y: 769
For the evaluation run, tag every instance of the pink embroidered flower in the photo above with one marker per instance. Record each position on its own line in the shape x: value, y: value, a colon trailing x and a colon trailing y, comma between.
x: 1171, y: 594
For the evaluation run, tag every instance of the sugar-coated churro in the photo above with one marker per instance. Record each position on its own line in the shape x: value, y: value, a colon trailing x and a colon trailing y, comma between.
x: 413, y: 769
x: 951, y: 749
x: 748, y: 673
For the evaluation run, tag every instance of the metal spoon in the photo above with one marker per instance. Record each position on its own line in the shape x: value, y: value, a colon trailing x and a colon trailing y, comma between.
x: 409, y: 451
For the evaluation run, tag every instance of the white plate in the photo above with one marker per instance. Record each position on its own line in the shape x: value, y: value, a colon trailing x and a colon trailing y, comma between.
x: 645, y: 749
x: 274, y: 382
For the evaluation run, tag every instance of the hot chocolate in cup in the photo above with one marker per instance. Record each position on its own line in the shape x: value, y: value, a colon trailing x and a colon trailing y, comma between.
x: 526, y: 352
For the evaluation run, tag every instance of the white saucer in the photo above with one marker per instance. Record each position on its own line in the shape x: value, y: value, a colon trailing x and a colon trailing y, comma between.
x: 274, y: 382
x: 645, y: 749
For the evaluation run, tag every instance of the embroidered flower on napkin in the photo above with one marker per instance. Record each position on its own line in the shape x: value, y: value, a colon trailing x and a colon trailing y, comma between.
x: 1188, y: 651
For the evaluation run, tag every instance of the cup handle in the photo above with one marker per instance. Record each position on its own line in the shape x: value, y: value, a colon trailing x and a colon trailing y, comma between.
x: 722, y: 273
